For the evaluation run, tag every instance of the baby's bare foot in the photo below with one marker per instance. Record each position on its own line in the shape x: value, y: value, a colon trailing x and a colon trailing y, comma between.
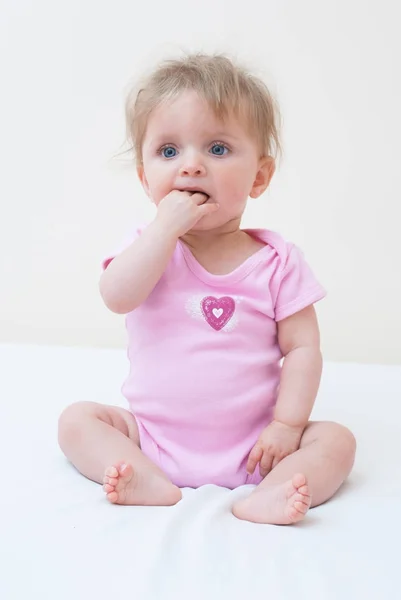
x: 280, y: 504
x: 124, y: 485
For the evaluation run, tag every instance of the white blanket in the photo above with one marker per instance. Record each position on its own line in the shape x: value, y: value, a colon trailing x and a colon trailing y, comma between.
x: 61, y: 540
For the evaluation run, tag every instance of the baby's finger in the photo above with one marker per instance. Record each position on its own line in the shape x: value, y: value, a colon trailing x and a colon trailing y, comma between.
x: 199, y: 198
x: 207, y: 209
x: 275, y: 462
x: 254, y: 458
x: 265, y: 465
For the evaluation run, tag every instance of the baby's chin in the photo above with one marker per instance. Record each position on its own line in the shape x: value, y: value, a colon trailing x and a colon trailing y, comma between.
x: 213, y: 223
x: 207, y: 222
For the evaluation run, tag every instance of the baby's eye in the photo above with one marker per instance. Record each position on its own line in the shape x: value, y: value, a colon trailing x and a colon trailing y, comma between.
x: 219, y: 149
x: 168, y: 152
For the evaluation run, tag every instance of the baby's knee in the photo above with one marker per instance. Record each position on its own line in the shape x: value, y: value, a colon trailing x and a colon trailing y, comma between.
x: 342, y: 442
x: 71, y: 420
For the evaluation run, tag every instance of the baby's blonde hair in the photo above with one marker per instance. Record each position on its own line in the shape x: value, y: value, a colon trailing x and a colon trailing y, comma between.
x: 226, y: 87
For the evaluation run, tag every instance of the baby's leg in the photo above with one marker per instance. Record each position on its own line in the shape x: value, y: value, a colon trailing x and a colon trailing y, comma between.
x: 303, y: 479
x: 102, y: 442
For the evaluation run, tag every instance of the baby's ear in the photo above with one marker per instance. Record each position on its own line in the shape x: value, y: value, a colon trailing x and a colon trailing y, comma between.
x: 266, y: 169
x: 142, y: 178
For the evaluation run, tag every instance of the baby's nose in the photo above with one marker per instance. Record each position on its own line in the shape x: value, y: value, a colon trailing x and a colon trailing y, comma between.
x: 193, y: 168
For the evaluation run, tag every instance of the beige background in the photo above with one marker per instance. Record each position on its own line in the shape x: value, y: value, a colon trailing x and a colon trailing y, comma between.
x: 335, y: 67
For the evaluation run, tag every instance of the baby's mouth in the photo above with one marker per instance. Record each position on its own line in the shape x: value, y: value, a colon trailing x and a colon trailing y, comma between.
x: 199, y: 192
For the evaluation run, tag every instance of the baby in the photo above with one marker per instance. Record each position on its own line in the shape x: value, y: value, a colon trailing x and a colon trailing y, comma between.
x: 212, y: 309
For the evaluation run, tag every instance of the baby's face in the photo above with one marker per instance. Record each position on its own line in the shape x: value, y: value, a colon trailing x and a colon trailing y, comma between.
x: 186, y: 147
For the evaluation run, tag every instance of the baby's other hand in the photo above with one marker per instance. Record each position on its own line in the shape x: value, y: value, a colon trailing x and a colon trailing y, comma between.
x: 276, y: 441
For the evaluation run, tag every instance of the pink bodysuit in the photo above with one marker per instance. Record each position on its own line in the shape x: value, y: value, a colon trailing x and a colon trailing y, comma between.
x: 205, y: 362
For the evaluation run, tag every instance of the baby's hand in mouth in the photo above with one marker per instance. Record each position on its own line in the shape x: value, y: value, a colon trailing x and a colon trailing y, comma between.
x: 192, y: 192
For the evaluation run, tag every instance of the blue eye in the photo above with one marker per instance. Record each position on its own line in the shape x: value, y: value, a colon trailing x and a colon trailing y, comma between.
x: 168, y: 152
x: 219, y: 149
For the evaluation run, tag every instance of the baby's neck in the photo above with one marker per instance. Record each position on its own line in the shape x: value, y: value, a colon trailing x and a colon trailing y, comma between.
x: 221, y: 252
x: 222, y: 237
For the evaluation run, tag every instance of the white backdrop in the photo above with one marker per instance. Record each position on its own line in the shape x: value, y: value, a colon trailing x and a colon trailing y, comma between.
x: 65, y: 69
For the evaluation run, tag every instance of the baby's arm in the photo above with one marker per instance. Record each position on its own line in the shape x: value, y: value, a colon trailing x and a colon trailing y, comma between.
x: 299, y: 340
x: 131, y: 276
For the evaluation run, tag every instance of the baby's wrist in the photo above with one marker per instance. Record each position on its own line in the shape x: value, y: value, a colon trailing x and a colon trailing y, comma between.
x: 290, y: 423
x: 163, y: 231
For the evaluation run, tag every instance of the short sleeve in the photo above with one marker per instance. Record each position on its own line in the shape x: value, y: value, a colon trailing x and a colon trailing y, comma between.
x: 296, y: 285
x: 127, y: 241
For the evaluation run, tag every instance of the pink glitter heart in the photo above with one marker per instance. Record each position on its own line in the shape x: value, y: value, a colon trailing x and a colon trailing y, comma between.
x: 218, y: 311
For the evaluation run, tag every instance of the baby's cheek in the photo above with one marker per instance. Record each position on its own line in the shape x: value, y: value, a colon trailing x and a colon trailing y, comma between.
x: 236, y: 198
x: 158, y: 193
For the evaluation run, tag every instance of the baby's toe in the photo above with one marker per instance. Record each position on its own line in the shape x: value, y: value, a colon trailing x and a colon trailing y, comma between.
x: 299, y: 480
x: 301, y: 507
x: 125, y: 470
x: 111, y: 472
x: 108, y: 488
x: 301, y: 498
x: 112, y: 497
x: 110, y: 480
x: 304, y: 490
x: 295, y: 515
